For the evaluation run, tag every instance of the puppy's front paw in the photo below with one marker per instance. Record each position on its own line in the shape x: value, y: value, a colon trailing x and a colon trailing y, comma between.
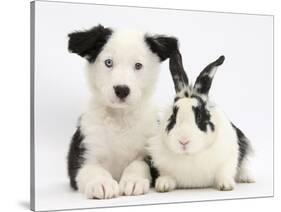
x: 165, y: 184
x: 134, y: 186
x: 226, y: 185
x: 102, y: 189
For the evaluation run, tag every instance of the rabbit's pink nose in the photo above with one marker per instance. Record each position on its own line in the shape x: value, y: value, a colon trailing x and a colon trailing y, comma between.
x: 183, y: 141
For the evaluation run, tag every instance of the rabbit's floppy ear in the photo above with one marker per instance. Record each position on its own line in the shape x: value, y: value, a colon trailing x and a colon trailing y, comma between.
x: 177, y: 71
x: 204, y: 80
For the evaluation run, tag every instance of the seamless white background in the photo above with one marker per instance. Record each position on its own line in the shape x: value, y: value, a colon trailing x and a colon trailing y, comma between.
x: 61, y: 91
x: 15, y: 115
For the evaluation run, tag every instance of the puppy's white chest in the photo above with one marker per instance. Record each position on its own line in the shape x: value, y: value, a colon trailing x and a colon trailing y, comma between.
x: 115, y: 143
x: 115, y: 149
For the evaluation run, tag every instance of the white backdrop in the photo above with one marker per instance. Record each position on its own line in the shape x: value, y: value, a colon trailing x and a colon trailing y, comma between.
x: 243, y: 87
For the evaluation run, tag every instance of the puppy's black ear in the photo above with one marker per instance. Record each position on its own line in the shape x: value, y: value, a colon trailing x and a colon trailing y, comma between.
x: 89, y: 43
x: 162, y: 45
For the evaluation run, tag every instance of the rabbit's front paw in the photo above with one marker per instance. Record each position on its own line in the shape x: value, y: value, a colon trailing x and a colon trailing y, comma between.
x: 165, y: 184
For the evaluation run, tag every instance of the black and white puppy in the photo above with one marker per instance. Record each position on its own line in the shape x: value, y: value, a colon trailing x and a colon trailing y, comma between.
x: 107, y: 150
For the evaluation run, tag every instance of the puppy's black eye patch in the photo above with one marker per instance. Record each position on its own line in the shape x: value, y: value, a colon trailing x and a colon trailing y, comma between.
x: 172, y: 120
x: 202, y: 118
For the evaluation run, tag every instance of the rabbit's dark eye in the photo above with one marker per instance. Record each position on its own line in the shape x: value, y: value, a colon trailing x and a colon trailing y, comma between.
x: 108, y: 63
x: 138, y: 66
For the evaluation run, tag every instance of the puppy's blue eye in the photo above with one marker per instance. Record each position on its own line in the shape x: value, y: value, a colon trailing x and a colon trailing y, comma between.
x: 138, y: 66
x: 108, y: 63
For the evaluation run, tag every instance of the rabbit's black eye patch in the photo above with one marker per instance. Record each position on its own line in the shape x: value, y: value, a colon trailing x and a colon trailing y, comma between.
x: 202, y: 118
x: 172, y: 120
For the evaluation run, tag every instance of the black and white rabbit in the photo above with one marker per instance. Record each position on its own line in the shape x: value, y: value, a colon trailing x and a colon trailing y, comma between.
x: 198, y: 146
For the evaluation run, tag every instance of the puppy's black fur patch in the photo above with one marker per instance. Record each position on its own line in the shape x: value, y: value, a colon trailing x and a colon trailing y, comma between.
x: 162, y: 45
x: 243, y: 143
x: 75, y: 158
x: 153, y: 170
x: 202, y: 115
x: 172, y: 120
x: 89, y: 43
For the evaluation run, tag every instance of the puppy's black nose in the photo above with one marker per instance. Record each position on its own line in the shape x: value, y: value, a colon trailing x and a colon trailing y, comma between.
x: 122, y: 91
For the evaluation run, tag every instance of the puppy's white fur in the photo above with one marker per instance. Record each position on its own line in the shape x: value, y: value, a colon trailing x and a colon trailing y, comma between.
x: 116, y: 131
x: 209, y: 160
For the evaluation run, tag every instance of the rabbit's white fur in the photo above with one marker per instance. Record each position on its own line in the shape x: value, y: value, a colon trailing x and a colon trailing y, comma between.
x: 214, y: 165
x: 198, y: 146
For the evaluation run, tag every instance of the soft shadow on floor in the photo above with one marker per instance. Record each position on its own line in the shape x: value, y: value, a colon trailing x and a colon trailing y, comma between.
x: 24, y: 204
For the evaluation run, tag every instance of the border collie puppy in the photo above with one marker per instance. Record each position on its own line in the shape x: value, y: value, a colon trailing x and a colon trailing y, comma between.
x: 107, y: 151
